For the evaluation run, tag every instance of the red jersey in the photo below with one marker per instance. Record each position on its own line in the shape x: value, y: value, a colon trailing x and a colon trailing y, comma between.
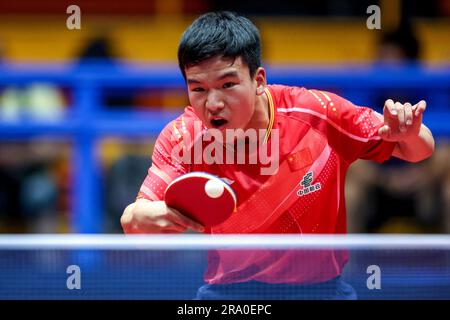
x: 319, y: 134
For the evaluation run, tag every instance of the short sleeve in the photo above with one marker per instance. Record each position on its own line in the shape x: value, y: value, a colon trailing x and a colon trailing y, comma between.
x: 353, y: 130
x: 166, y: 162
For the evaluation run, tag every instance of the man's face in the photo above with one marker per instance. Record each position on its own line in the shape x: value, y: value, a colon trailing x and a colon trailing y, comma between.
x: 223, y: 94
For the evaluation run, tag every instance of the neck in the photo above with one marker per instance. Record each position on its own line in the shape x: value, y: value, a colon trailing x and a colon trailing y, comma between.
x: 260, y: 119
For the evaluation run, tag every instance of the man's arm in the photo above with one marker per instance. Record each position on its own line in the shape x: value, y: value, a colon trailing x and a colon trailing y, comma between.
x: 403, y: 124
x: 148, y: 214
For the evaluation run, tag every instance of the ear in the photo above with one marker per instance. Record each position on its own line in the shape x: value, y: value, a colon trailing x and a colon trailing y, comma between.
x: 261, y: 82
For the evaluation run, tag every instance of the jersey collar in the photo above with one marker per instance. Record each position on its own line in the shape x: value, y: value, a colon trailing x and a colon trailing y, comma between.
x: 271, y: 114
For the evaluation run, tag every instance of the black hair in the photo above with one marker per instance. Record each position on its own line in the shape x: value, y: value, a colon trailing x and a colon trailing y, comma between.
x: 221, y: 33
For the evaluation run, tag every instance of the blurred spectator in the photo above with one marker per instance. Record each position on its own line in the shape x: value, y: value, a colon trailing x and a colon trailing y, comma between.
x: 398, y: 197
x: 399, y: 46
x: 38, y: 101
x: 122, y: 180
x: 100, y: 52
x: 28, y: 187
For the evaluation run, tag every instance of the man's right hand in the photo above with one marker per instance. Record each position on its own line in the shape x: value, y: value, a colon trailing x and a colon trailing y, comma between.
x: 145, y: 216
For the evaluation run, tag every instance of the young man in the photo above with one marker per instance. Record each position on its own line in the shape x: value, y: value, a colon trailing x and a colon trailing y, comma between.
x: 312, y: 136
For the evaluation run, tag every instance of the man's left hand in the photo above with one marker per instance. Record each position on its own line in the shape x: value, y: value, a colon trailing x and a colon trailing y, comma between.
x: 401, y: 121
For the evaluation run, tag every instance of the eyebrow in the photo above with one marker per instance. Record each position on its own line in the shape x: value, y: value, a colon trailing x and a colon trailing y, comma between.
x: 228, y: 74
x: 225, y: 75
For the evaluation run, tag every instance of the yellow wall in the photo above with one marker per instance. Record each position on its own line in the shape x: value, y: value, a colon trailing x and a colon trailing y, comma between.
x: 316, y: 41
x: 286, y: 40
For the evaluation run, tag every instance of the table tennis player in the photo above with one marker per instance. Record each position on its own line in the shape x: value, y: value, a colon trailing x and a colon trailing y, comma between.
x: 316, y: 134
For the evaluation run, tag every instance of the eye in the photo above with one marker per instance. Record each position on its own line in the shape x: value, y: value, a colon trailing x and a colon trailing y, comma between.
x: 197, y: 89
x: 227, y: 85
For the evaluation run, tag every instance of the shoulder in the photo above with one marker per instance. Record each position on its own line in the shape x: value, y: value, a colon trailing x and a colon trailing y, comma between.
x: 291, y: 100
x: 187, y: 118
x: 183, y: 125
x: 321, y: 109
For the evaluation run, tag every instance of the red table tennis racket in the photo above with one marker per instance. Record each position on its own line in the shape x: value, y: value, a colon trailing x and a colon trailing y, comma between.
x: 202, y: 197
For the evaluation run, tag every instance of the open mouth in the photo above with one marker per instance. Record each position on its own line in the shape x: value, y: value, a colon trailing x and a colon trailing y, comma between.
x: 219, y: 122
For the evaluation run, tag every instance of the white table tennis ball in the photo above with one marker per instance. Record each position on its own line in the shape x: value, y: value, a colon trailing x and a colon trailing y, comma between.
x: 214, y: 189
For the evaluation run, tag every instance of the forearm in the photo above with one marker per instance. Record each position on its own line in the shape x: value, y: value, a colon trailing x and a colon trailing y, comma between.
x: 415, y: 148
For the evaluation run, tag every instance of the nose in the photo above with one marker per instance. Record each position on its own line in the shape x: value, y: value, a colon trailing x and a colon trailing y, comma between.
x: 214, y: 102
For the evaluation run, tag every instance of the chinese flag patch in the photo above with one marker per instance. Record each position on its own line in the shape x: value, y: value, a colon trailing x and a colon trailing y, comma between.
x: 299, y: 159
